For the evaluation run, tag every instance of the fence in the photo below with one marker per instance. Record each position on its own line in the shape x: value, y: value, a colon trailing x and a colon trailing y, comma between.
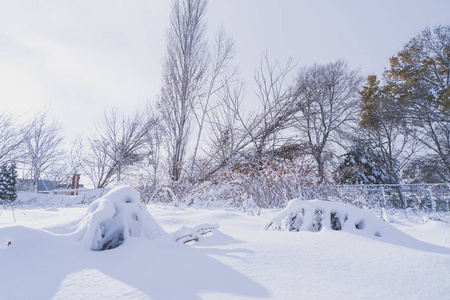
x: 426, y: 197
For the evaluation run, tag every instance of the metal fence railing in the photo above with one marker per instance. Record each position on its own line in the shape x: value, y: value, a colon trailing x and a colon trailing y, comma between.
x: 426, y: 197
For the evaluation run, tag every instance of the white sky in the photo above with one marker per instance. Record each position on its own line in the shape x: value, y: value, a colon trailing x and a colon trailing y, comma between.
x: 79, y: 58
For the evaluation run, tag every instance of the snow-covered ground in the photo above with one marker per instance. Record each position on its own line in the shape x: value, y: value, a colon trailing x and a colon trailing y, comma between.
x: 240, y: 260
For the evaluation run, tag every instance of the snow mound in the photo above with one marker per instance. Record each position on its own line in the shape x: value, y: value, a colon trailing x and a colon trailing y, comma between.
x: 315, y: 215
x: 114, y: 218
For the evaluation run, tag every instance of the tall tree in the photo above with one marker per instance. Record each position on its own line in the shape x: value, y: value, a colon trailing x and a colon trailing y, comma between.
x: 154, y: 140
x: 228, y: 128
x: 419, y: 77
x: 184, y: 71
x: 219, y: 63
x: 382, y: 122
x: 277, y: 100
x: 252, y: 136
x: 327, y: 97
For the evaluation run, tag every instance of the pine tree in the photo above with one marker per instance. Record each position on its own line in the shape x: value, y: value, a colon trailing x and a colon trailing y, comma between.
x: 3, y: 184
x: 362, y: 165
x: 8, y: 182
x: 12, y: 183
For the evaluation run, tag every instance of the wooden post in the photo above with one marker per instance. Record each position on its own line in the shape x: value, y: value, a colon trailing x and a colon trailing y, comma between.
x: 75, y: 184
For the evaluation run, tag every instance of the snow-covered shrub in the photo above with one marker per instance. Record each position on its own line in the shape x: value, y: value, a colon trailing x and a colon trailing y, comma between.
x: 316, y: 215
x: 162, y: 191
x: 116, y: 217
x: 270, y: 183
x: 223, y: 191
x: 120, y: 215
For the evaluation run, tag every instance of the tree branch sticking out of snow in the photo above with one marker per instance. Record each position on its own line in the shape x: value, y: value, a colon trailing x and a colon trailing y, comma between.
x: 185, y: 234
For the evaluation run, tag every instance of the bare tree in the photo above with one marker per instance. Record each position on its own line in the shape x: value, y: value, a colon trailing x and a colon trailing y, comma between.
x: 154, y: 140
x: 219, y: 64
x: 98, y: 165
x: 43, y: 146
x: 184, y: 70
x: 119, y: 144
x: 275, y: 95
x: 60, y: 174
x: 254, y: 135
x: 328, y: 104
x: 11, y: 138
x: 76, y: 159
x: 227, y: 126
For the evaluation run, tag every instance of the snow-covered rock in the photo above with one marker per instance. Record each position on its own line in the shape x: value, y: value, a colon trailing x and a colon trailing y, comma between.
x: 114, y: 218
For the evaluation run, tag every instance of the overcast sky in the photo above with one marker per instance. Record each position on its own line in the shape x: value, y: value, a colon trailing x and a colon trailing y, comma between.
x: 79, y: 58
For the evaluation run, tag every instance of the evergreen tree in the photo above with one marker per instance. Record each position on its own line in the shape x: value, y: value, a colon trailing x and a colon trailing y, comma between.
x: 8, y: 182
x: 362, y: 165
x: 12, y: 183
x: 3, y: 184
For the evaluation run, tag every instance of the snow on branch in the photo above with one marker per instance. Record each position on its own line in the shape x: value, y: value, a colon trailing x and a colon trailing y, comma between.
x: 185, y: 234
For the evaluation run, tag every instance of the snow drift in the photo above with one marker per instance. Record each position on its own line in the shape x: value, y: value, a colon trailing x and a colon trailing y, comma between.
x: 316, y: 215
x: 119, y: 215
x: 114, y: 218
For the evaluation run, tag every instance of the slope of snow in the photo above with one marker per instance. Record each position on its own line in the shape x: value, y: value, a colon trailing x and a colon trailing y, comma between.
x: 315, y: 215
x: 239, y: 261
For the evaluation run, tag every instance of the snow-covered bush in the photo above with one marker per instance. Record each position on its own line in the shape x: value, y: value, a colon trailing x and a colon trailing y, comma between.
x: 116, y: 217
x: 266, y: 184
x: 120, y: 215
x: 269, y: 183
x: 316, y: 215
x: 225, y: 192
